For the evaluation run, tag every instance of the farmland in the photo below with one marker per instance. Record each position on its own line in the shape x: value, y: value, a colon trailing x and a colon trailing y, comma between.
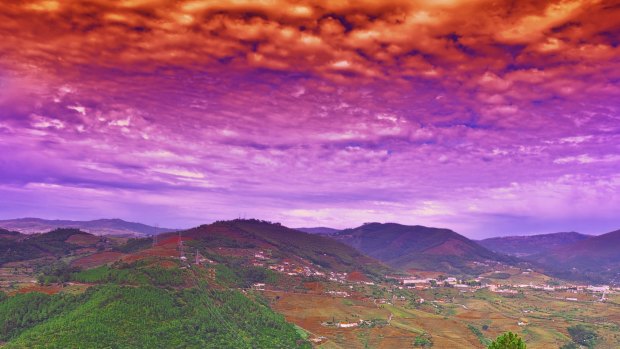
x: 449, y: 317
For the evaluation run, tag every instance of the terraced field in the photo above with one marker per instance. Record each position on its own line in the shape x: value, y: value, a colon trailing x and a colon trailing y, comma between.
x: 459, y: 320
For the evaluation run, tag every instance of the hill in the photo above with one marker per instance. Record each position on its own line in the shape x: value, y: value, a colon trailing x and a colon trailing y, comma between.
x: 56, y: 243
x: 117, y: 227
x: 419, y: 247
x: 113, y: 316
x: 319, y: 230
x: 595, y: 259
x: 249, y: 237
x: 11, y: 235
x: 523, y: 246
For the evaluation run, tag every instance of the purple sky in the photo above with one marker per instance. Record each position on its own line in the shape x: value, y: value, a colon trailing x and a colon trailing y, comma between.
x: 489, y: 120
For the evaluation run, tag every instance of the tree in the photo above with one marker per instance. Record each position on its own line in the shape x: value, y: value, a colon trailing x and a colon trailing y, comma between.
x: 583, y: 335
x: 507, y: 340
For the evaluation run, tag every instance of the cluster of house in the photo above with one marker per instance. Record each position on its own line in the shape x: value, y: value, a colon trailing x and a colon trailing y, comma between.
x: 603, y: 290
x: 292, y: 269
x: 318, y: 340
x: 338, y: 293
x: 501, y: 289
x: 359, y: 323
x: 337, y: 277
x: 288, y: 267
x: 424, y: 283
x: 258, y: 286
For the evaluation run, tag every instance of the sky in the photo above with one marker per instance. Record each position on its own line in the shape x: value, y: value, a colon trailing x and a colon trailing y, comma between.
x: 487, y: 117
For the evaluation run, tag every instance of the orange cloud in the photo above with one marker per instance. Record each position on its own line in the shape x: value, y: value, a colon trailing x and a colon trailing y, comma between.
x: 341, y: 40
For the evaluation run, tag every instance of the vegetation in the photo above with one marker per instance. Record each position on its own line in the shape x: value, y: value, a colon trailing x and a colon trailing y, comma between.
x: 501, y: 276
x: 507, y: 340
x: 18, y: 247
x: 23, y: 311
x: 134, y: 245
x: 475, y: 330
x: 144, y: 317
x: 373, y: 323
x: 583, y: 335
x: 57, y: 272
x: 423, y: 341
x: 137, y: 273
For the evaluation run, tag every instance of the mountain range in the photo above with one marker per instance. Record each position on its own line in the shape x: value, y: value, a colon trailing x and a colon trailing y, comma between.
x: 117, y: 227
x: 372, y: 249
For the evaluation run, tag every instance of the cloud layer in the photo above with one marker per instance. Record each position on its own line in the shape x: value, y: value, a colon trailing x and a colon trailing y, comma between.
x: 489, y: 117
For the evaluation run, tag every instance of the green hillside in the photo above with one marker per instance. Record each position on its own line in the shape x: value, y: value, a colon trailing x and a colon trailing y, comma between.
x: 114, y: 316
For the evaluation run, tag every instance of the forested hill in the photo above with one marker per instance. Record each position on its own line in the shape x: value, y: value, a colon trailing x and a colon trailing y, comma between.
x: 113, y: 316
x: 15, y: 246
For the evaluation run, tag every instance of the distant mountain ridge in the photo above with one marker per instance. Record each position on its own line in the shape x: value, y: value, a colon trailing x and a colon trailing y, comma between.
x: 528, y: 245
x: 117, y: 227
x: 319, y: 230
x: 596, y: 259
x: 418, y: 247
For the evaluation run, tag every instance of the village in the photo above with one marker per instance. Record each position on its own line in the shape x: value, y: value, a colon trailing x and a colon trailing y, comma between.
x: 496, y: 286
x: 297, y: 267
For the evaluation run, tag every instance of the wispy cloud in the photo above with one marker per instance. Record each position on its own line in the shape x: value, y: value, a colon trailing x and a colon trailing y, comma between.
x: 186, y: 111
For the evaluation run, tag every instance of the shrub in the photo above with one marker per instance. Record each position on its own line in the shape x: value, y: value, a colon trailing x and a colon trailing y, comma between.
x: 583, y: 335
x: 423, y: 341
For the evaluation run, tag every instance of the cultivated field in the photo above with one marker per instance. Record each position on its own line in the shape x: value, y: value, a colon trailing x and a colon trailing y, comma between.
x: 450, y: 318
